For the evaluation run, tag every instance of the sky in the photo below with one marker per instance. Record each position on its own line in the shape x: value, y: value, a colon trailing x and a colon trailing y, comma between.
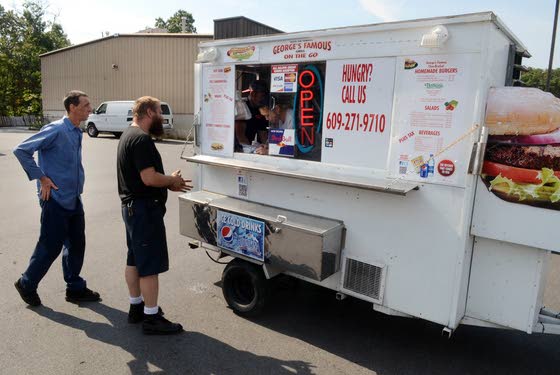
x: 530, y: 21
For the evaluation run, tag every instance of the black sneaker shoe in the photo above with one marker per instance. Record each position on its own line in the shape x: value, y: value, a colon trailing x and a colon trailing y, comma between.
x: 158, y: 325
x: 31, y: 298
x: 136, y: 313
x: 85, y: 295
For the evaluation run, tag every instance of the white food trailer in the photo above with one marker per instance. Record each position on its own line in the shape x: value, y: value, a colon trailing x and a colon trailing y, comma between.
x: 377, y: 192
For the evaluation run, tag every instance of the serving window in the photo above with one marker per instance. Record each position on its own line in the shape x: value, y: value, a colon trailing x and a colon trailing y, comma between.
x: 336, y: 112
x: 279, y: 110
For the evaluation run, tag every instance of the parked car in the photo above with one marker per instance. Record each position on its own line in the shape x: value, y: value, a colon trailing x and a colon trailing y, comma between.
x: 115, y: 116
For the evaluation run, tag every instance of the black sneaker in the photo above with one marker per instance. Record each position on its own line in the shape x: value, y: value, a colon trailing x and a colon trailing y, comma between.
x: 136, y: 313
x: 85, y: 295
x: 31, y: 298
x: 157, y: 325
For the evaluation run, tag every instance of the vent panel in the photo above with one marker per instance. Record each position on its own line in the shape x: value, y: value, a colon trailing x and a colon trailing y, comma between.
x: 363, y: 278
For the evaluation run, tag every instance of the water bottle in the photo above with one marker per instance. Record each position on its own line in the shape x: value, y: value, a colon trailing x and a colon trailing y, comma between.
x: 431, y: 165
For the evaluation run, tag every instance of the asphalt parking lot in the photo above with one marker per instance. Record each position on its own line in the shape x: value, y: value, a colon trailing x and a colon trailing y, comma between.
x: 304, y: 331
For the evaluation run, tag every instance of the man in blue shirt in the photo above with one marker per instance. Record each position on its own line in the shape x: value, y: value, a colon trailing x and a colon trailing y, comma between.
x: 60, y: 182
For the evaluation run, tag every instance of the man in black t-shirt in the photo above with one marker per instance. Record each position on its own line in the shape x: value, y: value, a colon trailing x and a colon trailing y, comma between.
x: 143, y: 188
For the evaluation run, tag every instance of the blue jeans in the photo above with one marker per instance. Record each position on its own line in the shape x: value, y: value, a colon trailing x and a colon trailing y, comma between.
x: 59, y: 228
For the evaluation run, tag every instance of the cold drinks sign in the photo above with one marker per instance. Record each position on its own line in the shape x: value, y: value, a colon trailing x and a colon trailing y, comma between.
x: 357, y: 114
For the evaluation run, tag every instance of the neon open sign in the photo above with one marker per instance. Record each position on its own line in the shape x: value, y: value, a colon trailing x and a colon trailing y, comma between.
x: 308, y: 104
x: 306, y: 118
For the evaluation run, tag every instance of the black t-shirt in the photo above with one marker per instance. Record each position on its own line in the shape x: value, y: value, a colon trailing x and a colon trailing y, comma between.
x: 255, y: 123
x: 135, y: 153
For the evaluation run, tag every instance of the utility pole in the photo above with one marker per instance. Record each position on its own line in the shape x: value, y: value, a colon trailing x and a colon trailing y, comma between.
x: 552, y: 47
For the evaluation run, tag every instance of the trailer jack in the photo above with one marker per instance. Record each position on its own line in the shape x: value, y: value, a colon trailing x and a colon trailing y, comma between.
x: 340, y: 296
x: 447, y: 332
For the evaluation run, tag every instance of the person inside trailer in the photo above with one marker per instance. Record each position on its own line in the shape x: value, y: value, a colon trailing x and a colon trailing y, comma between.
x: 279, y: 117
x: 255, y: 128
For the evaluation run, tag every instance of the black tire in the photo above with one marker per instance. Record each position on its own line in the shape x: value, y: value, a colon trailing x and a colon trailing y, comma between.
x: 92, y: 130
x: 117, y: 134
x: 244, y: 287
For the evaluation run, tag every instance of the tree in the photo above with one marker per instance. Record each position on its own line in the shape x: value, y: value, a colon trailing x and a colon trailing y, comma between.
x: 25, y: 35
x: 536, y: 77
x: 173, y: 23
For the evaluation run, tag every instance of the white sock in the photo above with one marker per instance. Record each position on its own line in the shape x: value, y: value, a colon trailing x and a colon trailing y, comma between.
x: 136, y: 300
x: 151, y: 310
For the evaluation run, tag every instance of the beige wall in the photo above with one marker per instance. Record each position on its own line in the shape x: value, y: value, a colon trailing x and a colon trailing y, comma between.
x: 160, y: 66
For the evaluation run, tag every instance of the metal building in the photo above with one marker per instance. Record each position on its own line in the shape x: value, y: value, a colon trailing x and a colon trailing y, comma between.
x: 125, y: 67
x: 237, y: 27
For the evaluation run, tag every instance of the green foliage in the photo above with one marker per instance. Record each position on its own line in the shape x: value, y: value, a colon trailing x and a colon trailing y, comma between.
x: 173, y: 23
x: 536, y: 77
x: 25, y: 35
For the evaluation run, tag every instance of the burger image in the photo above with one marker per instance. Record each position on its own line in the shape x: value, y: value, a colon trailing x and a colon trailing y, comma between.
x: 522, y: 160
x: 217, y: 146
x: 410, y: 64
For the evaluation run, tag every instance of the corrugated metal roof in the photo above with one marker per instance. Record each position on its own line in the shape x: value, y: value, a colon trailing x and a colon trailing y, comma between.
x: 135, y: 35
x: 248, y: 19
x: 124, y: 69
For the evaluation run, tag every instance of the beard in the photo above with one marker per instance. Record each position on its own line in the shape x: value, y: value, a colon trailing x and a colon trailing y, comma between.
x: 156, y: 128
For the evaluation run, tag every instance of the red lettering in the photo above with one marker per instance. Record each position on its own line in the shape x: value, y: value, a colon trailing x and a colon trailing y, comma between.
x: 308, y: 134
x: 311, y: 82
x: 305, y: 109
x: 304, y: 116
x: 305, y: 96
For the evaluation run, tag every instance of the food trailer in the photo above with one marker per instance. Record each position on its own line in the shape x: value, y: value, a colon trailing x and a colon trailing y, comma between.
x: 381, y: 189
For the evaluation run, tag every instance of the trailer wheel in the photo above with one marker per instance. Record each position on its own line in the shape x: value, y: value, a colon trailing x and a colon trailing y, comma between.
x: 244, y: 287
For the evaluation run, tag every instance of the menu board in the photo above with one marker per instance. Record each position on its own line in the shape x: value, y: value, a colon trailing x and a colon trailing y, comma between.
x: 433, y: 118
x: 218, y: 110
x: 357, y: 112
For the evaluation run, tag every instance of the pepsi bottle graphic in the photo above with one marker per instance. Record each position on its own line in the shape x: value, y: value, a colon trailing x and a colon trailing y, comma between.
x: 424, y: 170
x: 431, y: 165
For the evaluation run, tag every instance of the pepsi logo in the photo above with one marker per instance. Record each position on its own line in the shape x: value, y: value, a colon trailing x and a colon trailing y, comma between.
x: 227, y: 233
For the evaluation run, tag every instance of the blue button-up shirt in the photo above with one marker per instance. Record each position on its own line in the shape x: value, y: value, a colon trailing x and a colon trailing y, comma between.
x: 59, y: 145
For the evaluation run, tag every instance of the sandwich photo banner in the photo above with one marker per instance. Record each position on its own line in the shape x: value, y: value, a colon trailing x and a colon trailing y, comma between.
x: 522, y: 159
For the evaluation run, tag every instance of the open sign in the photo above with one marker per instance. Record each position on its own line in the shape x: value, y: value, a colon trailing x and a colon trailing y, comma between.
x: 306, y: 118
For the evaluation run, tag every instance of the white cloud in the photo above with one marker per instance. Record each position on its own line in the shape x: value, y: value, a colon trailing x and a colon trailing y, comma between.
x: 385, y: 10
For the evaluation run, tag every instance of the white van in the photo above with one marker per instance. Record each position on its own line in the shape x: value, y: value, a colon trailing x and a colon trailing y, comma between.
x: 115, y: 116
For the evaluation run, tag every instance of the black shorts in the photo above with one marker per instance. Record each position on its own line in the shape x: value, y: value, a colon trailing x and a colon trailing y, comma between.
x: 145, y: 236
